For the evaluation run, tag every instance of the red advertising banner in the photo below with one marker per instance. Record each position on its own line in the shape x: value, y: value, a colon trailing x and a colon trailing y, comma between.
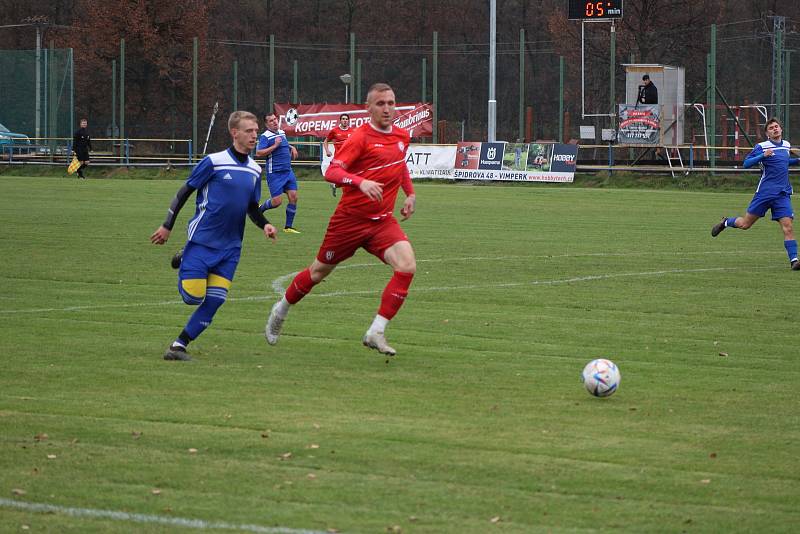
x: 319, y: 119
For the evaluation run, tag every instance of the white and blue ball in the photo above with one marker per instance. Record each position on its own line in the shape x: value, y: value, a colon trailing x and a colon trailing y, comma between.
x: 601, y: 377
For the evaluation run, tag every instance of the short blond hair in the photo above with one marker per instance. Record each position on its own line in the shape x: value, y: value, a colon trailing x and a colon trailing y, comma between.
x: 378, y: 88
x: 239, y: 116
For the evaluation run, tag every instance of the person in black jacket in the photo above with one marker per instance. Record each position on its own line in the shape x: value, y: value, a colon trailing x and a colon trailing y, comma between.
x: 648, y: 92
x: 81, y: 145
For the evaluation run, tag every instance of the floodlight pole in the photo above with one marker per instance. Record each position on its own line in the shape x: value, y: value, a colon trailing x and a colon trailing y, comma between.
x: 492, y: 115
x: 38, y: 78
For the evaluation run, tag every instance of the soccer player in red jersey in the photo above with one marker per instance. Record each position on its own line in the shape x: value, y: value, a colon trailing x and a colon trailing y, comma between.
x: 370, y: 168
x: 337, y: 136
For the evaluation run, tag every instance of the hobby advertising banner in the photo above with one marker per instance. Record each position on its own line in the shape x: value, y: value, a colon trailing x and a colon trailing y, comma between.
x: 319, y: 119
x: 525, y: 162
x: 639, y: 125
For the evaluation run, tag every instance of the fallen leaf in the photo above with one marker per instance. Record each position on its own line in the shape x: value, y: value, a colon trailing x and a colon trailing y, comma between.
x: 228, y: 416
x: 313, y: 446
x: 333, y: 530
x: 311, y: 476
x: 74, y: 441
x: 495, y: 519
x: 18, y: 491
x: 40, y: 437
x: 716, y: 343
x: 395, y: 529
x: 705, y: 481
x: 412, y: 518
x: 316, y: 426
x: 286, y: 456
x: 156, y: 491
x: 26, y: 527
x: 192, y: 451
x: 136, y: 435
x: 723, y: 354
x: 712, y: 455
x: 51, y: 456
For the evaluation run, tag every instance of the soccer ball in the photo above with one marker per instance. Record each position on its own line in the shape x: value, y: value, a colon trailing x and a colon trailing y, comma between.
x: 291, y: 116
x: 601, y: 377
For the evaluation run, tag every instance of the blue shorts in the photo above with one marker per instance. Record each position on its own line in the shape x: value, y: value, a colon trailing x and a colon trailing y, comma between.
x: 199, y: 261
x: 780, y: 205
x: 280, y: 182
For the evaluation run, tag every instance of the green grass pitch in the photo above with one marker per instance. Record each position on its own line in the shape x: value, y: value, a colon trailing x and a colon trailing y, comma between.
x: 479, y: 424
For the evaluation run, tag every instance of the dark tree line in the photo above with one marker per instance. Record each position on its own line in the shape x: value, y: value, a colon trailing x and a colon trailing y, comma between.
x: 391, y: 46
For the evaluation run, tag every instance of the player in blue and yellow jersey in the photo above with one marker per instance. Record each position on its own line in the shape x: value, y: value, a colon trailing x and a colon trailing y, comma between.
x: 774, y: 192
x: 273, y: 145
x: 228, y: 186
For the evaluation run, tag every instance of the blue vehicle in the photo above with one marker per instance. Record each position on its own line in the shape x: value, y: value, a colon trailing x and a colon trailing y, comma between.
x: 13, y: 143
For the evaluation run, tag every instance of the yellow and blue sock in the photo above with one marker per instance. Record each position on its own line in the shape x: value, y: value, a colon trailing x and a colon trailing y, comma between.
x: 204, y: 314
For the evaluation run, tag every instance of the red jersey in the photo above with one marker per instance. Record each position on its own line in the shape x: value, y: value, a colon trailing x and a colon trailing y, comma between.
x: 338, y: 136
x: 372, y: 155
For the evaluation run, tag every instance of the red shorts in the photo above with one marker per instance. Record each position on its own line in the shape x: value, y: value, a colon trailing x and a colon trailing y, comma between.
x: 346, y: 234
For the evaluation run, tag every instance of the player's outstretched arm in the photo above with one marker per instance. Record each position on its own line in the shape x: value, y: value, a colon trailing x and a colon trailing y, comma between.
x: 257, y: 216
x: 160, y: 236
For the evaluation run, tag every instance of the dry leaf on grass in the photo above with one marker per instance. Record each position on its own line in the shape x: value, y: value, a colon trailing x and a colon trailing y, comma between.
x: 136, y: 435
x: 40, y: 437
x: 51, y: 456
x: 705, y: 481
x: 18, y: 491
x: 286, y: 456
x: 495, y: 519
x: 156, y: 491
x: 193, y: 451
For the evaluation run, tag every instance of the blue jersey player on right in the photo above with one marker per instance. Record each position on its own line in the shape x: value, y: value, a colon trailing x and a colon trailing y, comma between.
x: 774, y: 192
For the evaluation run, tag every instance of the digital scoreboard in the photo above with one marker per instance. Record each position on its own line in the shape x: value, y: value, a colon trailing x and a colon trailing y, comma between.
x: 595, y: 10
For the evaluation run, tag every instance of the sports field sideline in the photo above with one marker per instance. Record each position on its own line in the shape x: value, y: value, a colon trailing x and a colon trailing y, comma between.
x: 479, y: 424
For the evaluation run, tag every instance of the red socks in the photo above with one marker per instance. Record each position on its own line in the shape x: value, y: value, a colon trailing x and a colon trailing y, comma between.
x: 300, y: 287
x: 395, y: 294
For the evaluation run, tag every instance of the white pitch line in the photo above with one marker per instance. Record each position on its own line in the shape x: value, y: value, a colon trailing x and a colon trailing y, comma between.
x: 146, y: 518
x: 537, y: 282
x: 278, y: 289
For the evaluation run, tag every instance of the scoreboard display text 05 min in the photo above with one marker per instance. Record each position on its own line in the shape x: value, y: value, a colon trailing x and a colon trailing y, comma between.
x: 595, y: 10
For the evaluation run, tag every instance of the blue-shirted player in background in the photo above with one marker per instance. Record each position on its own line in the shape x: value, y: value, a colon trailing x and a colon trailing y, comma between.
x: 273, y: 145
x: 774, y: 192
x: 228, y: 186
